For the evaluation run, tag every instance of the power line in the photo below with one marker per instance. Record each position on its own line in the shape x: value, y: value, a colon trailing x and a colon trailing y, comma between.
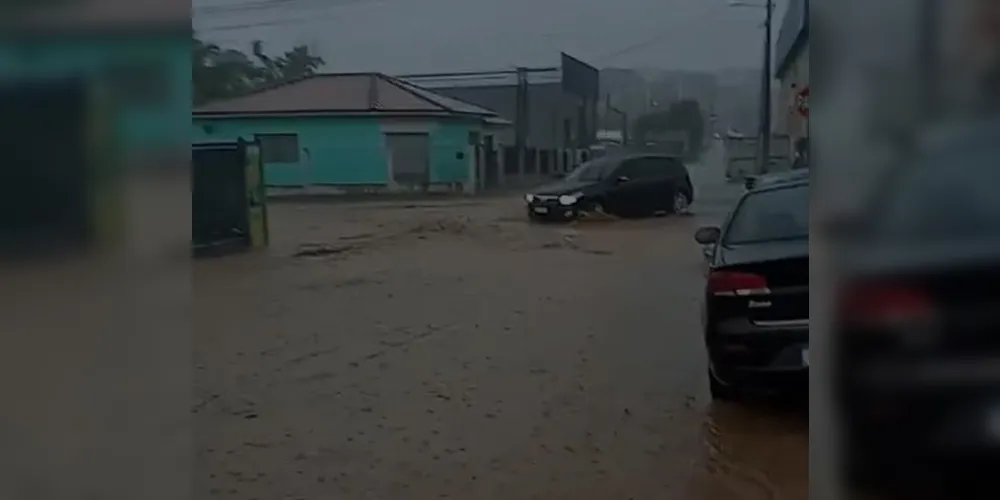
x: 662, y: 37
x: 260, y: 5
x: 268, y: 4
x: 257, y: 5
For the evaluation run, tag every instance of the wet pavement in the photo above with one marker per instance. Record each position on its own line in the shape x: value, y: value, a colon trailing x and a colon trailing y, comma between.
x: 452, y: 350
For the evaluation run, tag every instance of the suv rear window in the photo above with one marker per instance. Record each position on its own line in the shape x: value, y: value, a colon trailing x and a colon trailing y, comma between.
x: 770, y: 215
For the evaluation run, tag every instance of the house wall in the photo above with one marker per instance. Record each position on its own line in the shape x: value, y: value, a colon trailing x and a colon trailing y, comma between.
x: 348, y: 151
x: 146, y: 82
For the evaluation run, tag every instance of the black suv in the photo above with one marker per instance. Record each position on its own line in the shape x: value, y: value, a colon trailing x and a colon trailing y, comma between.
x: 624, y: 185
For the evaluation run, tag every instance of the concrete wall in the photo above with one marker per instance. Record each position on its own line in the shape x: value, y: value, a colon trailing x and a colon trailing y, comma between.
x: 348, y: 151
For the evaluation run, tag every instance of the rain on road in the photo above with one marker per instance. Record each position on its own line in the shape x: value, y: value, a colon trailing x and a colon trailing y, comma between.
x: 452, y: 350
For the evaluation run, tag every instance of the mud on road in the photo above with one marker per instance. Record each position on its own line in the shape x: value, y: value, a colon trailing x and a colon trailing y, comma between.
x: 453, y: 350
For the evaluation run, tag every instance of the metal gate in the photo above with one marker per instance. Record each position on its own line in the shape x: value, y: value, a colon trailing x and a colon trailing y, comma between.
x: 54, y: 195
x: 410, y: 157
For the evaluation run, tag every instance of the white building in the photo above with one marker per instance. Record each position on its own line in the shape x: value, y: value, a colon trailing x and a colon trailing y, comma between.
x: 792, y: 72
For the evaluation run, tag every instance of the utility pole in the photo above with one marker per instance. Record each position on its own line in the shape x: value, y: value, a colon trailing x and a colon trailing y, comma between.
x: 764, y: 142
x: 765, y: 118
x: 521, y: 120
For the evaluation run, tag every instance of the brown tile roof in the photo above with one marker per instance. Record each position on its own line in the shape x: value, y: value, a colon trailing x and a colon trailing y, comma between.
x: 344, y: 93
x: 97, y: 15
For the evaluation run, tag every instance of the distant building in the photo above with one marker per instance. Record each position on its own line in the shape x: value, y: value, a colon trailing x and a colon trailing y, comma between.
x: 557, y: 116
x: 792, y: 71
x: 670, y: 86
x: 628, y: 91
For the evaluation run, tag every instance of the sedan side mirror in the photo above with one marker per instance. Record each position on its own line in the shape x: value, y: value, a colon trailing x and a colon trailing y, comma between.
x: 707, y: 235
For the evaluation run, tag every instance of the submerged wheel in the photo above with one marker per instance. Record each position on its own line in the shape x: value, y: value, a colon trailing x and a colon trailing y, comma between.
x: 596, y: 207
x: 680, y: 204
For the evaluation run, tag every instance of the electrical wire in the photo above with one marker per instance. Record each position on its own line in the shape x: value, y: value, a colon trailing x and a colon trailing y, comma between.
x: 302, y: 4
x: 258, y: 5
x: 658, y: 39
x: 278, y: 22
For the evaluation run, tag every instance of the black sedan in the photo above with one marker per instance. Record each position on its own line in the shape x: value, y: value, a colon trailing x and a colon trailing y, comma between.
x: 916, y: 363
x: 623, y: 185
x: 755, y: 311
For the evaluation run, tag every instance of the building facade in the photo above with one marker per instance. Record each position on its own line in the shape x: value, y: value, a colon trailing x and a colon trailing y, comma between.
x: 627, y: 91
x: 96, y: 89
x: 355, y: 133
x: 144, y: 82
x: 792, y: 71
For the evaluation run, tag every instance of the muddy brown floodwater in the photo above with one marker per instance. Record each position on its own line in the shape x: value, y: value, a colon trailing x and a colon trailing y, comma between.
x: 452, y: 350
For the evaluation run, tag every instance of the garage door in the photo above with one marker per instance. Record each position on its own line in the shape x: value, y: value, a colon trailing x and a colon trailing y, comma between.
x: 410, y: 154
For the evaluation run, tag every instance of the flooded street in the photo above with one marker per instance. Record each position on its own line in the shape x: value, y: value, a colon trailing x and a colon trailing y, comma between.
x: 452, y: 350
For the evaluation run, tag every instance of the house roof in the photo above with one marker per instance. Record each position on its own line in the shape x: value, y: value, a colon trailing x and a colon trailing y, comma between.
x: 353, y: 93
x: 88, y: 16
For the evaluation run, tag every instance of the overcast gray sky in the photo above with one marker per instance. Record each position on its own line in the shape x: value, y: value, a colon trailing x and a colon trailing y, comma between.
x: 403, y: 36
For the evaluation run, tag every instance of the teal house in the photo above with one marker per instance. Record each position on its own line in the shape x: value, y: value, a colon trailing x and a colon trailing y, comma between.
x: 130, y: 60
x: 357, y: 132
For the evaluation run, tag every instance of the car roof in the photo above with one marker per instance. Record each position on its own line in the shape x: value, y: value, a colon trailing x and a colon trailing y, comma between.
x: 629, y: 155
x: 780, y: 184
x: 786, y: 178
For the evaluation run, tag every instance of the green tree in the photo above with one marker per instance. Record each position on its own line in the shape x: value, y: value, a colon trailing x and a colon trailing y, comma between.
x: 218, y: 73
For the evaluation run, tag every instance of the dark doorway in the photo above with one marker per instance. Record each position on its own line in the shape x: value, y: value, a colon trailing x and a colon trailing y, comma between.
x: 50, y: 167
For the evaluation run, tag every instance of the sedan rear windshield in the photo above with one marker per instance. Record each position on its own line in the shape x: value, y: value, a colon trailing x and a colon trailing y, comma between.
x: 771, y: 215
x: 948, y: 196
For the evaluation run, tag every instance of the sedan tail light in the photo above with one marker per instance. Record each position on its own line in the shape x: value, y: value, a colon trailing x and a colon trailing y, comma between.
x: 886, y: 304
x: 723, y: 283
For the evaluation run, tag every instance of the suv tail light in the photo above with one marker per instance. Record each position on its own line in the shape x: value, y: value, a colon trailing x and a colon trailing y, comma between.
x: 729, y: 283
x: 886, y: 304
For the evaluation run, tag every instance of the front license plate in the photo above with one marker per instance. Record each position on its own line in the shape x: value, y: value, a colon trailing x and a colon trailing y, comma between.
x: 541, y: 210
x: 805, y: 357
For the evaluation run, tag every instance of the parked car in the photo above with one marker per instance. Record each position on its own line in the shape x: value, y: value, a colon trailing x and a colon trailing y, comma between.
x: 916, y: 363
x: 776, y: 177
x: 626, y: 185
x: 755, y: 310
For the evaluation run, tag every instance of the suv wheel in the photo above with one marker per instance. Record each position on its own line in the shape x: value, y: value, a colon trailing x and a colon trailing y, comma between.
x: 681, y: 203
